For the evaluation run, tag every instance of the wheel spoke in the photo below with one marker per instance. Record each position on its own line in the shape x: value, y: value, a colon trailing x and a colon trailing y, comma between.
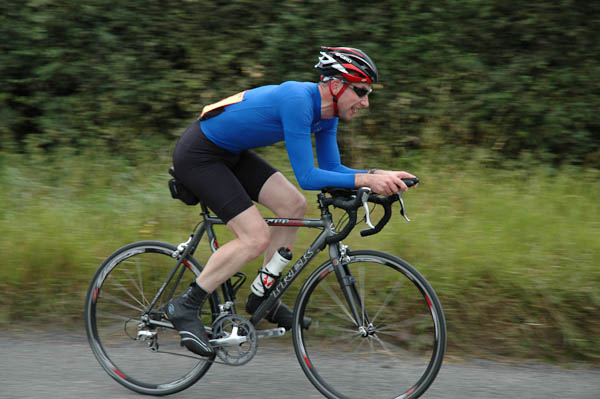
x: 141, y: 282
x: 114, y: 299
x: 338, y: 302
x: 336, y: 328
x: 133, y: 281
x: 116, y: 329
x: 387, y: 347
x: 387, y: 350
x: 362, y: 341
x: 354, y: 340
x: 339, y: 316
x: 404, y: 323
x: 402, y: 335
x: 113, y: 330
x: 109, y: 315
x: 372, y: 350
x: 389, y: 298
x: 121, y: 287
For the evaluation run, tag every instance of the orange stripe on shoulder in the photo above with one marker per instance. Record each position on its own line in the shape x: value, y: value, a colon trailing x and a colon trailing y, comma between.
x: 236, y: 98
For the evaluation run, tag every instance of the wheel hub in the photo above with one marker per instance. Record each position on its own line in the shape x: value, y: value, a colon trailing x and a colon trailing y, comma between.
x: 367, y: 331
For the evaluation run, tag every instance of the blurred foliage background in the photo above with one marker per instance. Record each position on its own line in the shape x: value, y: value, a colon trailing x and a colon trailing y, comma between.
x: 493, y: 104
x: 511, y: 78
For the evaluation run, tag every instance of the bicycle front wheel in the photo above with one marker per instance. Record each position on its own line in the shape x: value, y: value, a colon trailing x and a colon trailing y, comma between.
x: 392, y: 344
x: 139, y: 354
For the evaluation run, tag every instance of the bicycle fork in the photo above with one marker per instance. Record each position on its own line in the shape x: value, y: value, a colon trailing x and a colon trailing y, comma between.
x: 348, y: 285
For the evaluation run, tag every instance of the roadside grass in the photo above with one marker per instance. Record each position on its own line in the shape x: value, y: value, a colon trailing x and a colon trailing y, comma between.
x: 512, y: 250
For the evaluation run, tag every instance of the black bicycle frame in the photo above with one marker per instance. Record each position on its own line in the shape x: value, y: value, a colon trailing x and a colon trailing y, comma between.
x: 325, y: 223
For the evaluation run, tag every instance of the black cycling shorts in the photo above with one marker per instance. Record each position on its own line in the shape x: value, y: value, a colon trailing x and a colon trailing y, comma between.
x: 226, y: 182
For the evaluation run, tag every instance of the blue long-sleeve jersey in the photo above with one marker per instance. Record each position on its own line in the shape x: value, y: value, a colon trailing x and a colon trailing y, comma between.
x: 291, y: 112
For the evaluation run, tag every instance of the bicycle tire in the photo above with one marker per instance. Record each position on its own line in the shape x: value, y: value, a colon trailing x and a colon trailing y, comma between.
x: 123, y: 286
x: 403, y: 352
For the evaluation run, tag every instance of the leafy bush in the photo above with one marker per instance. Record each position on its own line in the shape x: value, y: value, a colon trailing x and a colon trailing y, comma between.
x: 512, y: 78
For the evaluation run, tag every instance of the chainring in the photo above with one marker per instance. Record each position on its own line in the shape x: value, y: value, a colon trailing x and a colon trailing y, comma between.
x: 235, y: 328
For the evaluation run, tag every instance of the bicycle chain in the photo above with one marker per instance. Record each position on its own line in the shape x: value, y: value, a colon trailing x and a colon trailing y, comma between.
x: 195, y: 357
x: 223, y: 328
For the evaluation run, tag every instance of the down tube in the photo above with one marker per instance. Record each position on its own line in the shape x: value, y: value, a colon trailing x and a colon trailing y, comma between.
x: 316, y: 247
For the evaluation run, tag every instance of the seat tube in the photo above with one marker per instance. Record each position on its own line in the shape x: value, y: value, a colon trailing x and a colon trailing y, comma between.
x: 347, y: 282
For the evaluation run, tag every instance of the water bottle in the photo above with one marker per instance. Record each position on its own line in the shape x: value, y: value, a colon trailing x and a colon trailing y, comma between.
x: 274, y: 267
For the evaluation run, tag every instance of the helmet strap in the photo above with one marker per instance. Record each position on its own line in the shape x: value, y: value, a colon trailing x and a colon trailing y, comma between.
x: 335, y: 97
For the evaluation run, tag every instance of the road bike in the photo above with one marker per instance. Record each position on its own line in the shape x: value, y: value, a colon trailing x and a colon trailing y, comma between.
x: 378, y: 328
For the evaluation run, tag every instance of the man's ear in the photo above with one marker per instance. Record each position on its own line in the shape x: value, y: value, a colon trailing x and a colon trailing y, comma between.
x: 337, y: 86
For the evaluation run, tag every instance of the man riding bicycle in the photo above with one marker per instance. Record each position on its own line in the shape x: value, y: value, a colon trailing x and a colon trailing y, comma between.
x: 213, y: 159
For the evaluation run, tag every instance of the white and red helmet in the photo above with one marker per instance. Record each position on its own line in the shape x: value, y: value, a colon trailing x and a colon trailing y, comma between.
x: 351, y: 64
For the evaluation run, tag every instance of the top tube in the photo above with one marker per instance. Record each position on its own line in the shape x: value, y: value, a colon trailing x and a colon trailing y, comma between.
x: 343, y: 198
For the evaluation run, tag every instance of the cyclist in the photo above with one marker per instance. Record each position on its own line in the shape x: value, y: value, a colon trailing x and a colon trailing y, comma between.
x: 213, y: 159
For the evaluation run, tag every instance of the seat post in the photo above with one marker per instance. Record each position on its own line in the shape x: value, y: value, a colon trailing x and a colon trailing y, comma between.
x: 205, y: 210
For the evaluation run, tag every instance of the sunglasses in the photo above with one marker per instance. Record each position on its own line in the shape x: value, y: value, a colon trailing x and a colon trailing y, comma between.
x: 361, y: 91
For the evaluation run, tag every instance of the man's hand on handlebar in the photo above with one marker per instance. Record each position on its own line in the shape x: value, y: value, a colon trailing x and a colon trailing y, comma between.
x: 384, y: 182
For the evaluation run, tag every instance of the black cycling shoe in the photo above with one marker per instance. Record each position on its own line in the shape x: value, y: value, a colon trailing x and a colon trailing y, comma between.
x: 182, y: 311
x: 281, y: 314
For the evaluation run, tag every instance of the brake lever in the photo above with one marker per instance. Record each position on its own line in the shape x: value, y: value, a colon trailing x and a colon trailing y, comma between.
x: 364, y: 199
x: 402, y: 206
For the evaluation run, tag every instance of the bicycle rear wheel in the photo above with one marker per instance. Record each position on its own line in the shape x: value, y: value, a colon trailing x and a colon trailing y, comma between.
x: 143, y: 357
x: 393, y: 347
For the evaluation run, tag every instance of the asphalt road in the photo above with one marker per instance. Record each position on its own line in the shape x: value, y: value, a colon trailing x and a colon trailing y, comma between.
x: 61, y: 366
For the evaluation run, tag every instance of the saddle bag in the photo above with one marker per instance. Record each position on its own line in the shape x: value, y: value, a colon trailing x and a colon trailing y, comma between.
x: 180, y: 192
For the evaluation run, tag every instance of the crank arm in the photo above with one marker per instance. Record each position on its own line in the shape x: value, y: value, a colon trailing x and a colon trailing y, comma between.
x: 272, y: 333
x: 233, y: 339
x: 168, y: 324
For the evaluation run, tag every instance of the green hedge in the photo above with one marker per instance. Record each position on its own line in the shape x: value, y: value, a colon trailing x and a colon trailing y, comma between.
x: 510, y: 77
